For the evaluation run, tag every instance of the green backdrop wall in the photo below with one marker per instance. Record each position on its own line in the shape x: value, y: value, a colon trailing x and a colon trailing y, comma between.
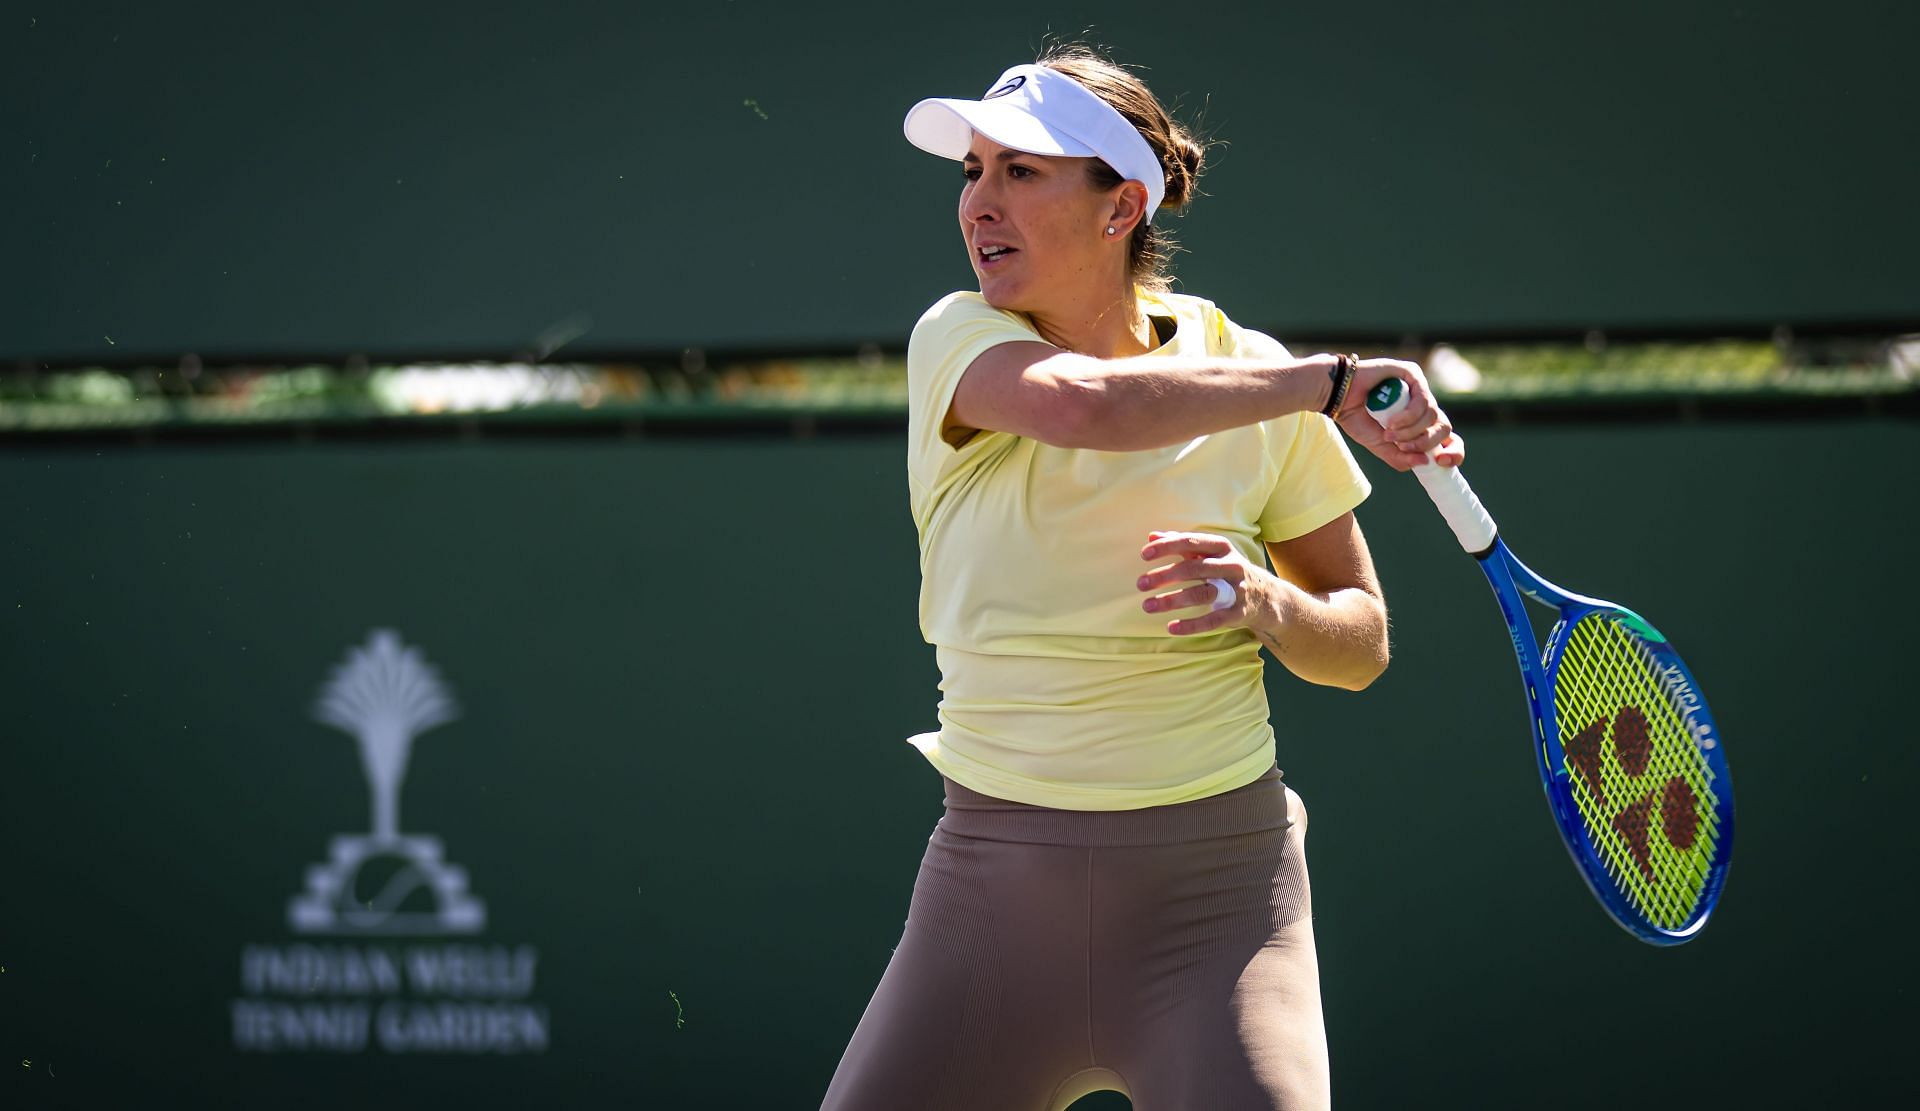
x: 684, y: 671
x: 437, y: 178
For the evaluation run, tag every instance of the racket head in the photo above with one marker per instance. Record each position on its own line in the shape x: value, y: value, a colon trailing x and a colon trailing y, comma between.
x: 1632, y: 763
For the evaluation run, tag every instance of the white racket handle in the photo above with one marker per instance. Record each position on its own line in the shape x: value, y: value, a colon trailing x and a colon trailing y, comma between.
x: 1447, y: 487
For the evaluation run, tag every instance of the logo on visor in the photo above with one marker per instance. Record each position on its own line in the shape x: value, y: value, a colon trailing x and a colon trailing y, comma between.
x: 1009, y: 87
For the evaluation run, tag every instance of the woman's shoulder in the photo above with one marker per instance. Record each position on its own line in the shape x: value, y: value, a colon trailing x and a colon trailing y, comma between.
x: 962, y: 302
x: 1221, y: 332
x: 1184, y: 303
x: 959, y: 309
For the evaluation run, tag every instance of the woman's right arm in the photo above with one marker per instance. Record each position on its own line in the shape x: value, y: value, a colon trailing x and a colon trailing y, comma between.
x: 1142, y: 402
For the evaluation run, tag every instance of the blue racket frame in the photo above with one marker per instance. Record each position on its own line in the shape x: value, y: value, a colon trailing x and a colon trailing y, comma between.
x: 1511, y: 579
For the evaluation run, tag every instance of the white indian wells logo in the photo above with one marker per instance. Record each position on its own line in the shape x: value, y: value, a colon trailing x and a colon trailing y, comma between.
x: 385, y: 696
x: 420, y: 997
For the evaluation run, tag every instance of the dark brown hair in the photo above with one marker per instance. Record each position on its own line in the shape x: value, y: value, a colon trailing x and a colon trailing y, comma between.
x: 1181, y: 154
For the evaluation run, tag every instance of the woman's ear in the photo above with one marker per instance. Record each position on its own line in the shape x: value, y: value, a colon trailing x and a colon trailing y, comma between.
x: 1129, y: 208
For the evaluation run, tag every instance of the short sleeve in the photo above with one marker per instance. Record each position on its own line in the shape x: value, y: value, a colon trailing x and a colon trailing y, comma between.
x: 958, y: 329
x: 1318, y: 477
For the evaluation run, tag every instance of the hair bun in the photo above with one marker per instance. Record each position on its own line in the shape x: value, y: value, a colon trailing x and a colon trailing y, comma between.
x: 1188, y: 157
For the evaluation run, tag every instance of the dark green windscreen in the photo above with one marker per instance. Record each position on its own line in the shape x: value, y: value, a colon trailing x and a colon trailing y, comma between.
x: 442, y: 178
x: 676, y: 780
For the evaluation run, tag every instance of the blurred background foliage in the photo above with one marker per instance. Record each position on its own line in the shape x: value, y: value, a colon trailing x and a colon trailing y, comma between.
x: 1592, y: 373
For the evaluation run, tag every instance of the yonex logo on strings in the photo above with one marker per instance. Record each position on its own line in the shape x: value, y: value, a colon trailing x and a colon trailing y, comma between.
x: 1631, y: 750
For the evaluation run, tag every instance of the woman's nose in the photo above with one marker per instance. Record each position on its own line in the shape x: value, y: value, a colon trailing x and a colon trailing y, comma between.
x: 979, y: 204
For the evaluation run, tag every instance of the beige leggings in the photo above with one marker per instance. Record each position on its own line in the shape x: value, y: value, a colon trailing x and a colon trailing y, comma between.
x: 1166, y: 953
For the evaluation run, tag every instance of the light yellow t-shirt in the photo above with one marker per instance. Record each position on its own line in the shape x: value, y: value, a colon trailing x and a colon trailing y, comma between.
x: 1057, y: 688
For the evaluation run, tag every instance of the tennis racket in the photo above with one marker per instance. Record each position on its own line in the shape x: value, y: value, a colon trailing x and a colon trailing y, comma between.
x: 1633, y: 766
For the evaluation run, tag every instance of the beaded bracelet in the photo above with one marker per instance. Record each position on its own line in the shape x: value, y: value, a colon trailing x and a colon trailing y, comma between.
x: 1342, y: 377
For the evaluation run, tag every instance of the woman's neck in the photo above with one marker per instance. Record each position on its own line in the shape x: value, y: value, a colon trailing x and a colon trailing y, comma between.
x: 1110, y: 327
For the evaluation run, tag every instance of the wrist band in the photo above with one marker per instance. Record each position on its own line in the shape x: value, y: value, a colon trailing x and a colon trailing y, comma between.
x: 1342, y: 377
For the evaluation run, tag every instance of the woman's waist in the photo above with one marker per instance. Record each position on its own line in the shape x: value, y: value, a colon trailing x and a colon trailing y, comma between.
x: 1073, y: 669
x: 995, y: 694
x: 1262, y: 804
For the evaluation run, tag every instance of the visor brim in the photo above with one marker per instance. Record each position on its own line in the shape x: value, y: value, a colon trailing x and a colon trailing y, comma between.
x: 945, y: 127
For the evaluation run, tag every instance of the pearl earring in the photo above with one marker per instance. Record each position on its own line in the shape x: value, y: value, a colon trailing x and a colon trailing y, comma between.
x: 1109, y: 231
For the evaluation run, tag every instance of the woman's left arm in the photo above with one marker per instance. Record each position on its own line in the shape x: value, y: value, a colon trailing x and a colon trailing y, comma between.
x: 1319, y: 611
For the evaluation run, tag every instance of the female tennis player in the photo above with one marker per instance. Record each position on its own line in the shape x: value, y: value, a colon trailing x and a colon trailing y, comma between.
x: 1101, y: 472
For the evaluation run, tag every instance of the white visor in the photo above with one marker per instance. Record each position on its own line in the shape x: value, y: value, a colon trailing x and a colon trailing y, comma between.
x: 1040, y: 111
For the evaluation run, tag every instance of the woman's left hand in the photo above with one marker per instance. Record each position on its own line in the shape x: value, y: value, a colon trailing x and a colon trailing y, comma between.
x: 1182, y: 584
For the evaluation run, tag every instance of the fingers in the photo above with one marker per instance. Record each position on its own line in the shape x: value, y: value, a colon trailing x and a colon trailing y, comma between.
x: 1435, y: 443
x: 1421, y: 440
x: 1368, y: 373
x: 1193, y: 569
x: 1199, y: 563
x: 1397, y: 459
x: 1421, y: 412
x: 1187, y: 544
x: 1201, y: 595
x: 1198, y: 558
x: 1235, y: 614
x: 1405, y: 439
x: 1204, y: 594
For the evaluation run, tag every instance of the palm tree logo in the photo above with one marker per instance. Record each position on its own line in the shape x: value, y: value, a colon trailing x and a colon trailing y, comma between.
x: 385, y: 694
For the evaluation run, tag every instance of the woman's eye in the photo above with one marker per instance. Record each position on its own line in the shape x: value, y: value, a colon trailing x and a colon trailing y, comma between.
x: 1018, y: 170
x: 971, y: 173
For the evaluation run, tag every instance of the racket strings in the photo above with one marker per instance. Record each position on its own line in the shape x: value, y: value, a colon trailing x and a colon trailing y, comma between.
x: 1641, y: 785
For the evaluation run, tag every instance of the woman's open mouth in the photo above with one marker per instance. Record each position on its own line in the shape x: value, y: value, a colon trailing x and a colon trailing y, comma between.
x: 991, y: 257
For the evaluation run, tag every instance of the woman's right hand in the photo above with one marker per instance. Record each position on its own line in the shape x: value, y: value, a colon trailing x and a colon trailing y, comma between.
x: 1408, y: 435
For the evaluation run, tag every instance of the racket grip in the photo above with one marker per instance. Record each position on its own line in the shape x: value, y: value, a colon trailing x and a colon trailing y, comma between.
x: 1471, y: 524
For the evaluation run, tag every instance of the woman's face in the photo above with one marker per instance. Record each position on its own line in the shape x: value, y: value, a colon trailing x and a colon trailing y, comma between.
x: 1036, y: 228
